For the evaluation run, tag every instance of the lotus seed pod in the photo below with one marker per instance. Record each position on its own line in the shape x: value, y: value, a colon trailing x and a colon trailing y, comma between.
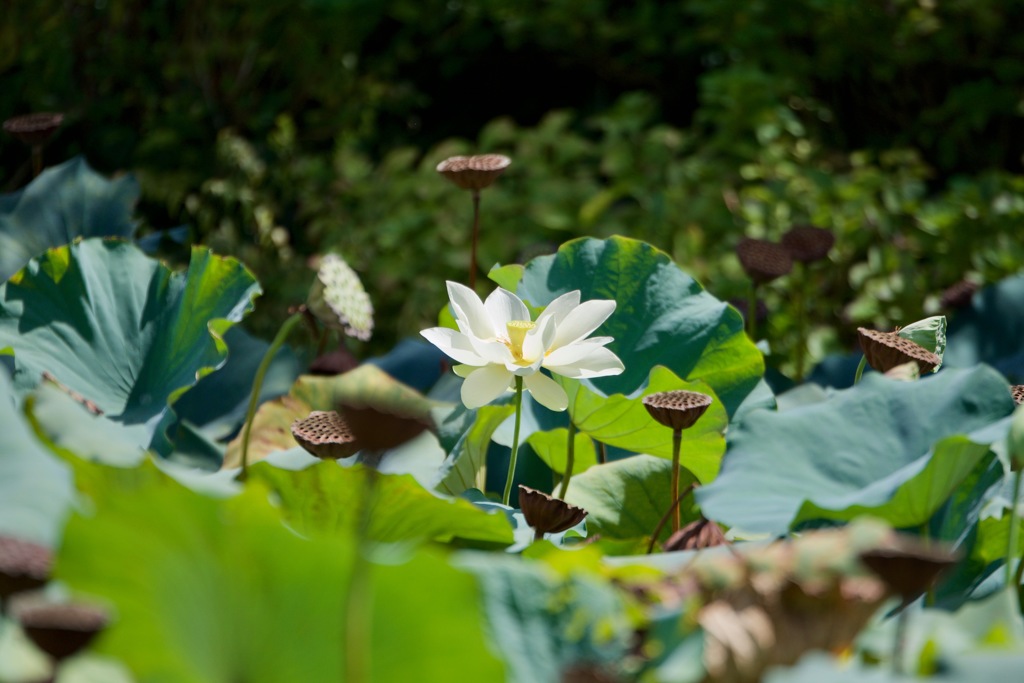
x: 326, y: 435
x: 910, y: 568
x: 338, y: 299
x: 60, y: 630
x: 1017, y: 392
x: 806, y: 243
x: 24, y: 566
x: 380, y: 427
x: 697, y: 535
x: 677, y: 410
x: 546, y: 514
x: 34, y: 129
x: 763, y: 261
x: 476, y: 172
x: 886, y: 350
x: 958, y: 295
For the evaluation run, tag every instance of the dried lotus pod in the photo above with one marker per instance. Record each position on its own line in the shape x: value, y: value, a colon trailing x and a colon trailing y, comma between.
x: 325, y: 434
x: 1017, y: 391
x: 958, y: 295
x: 34, y: 129
x: 763, y: 261
x: 677, y: 410
x: 24, y: 566
x: 910, y: 568
x: 60, y: 629
x: 476, y: 172
x: 379, y: 427
x: 546, y: 514
x: 697, y: 535
x: 806, y: 243
x: 886, y: 350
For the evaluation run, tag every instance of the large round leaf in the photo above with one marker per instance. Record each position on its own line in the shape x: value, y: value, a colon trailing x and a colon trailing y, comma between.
x: 119, y: 328
x: 208, y: 590
x: 663, y: 316
x: 884, y: 447
x: 64, y: 203
x: 35, y: 487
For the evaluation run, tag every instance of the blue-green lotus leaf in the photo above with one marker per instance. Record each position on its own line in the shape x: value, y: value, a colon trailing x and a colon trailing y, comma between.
x: 990, y: 330
x: 894, y: 449
x: 35, y: 487
x: 663, y: 316
x: 120, y: 329
x: 63, y: 203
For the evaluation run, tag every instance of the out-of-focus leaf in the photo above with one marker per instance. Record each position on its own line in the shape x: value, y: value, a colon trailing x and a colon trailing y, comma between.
x: 63, y: 203
x: 326, y: 497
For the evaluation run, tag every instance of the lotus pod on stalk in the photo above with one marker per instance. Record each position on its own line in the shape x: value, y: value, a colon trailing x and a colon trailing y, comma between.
x: 476, y: 172
x: 547, y: 514
x: 806, y: 243
x: 763, y: 261
x: 60, y: 629
x: 326, y: 435
x: 34, y: 129
x: 677, y: 410
x: 886, y: 350
x: 24, y: 566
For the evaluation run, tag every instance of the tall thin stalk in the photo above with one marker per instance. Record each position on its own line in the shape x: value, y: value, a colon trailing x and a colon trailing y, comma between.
x: 476, y: 239
x: 257, y: 384
x: 570, y: 457
x: 518, y: 402
x: 1011, y: 543
x: 677, y: 438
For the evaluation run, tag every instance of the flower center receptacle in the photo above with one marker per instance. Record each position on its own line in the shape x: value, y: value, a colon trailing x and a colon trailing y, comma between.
x: 517, y: 330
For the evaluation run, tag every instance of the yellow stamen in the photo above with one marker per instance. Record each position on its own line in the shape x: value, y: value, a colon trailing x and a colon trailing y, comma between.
x: 517, y: 330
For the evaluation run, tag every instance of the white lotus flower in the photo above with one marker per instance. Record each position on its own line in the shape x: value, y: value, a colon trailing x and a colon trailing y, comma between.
x: 497, y: 341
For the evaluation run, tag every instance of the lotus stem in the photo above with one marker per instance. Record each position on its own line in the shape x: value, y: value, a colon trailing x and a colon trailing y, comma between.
x: 1011, y: 543
x: 570, y: 457
x: 602, y: 454
x: 752, y: 312
x: 860, y: 369
x: 801, y: 320
x: 37, y: 160
x: 257, y: 384
x: 476, y: 239
x: 899, y: 641
x: 664, y: 518
x: 358, y: 609
x: 515, y: 442
x: 677, y: 439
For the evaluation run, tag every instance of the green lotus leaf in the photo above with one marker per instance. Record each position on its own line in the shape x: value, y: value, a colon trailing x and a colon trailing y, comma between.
x: 63, y: 203
x: 325, y: 497
x: 548, y: 617
x: 663, y: 316
x: 624, y: 422
x: 627, y: 498
x: 35, y: 487
x: 990, y: 330
x: 212, y: 590
x: 466, y: 465
x: 882, y: 446
x: 552, y: 448
x: 119, y: 329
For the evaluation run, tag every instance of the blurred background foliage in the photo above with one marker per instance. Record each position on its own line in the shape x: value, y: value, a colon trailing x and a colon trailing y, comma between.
x: 280, y: 129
